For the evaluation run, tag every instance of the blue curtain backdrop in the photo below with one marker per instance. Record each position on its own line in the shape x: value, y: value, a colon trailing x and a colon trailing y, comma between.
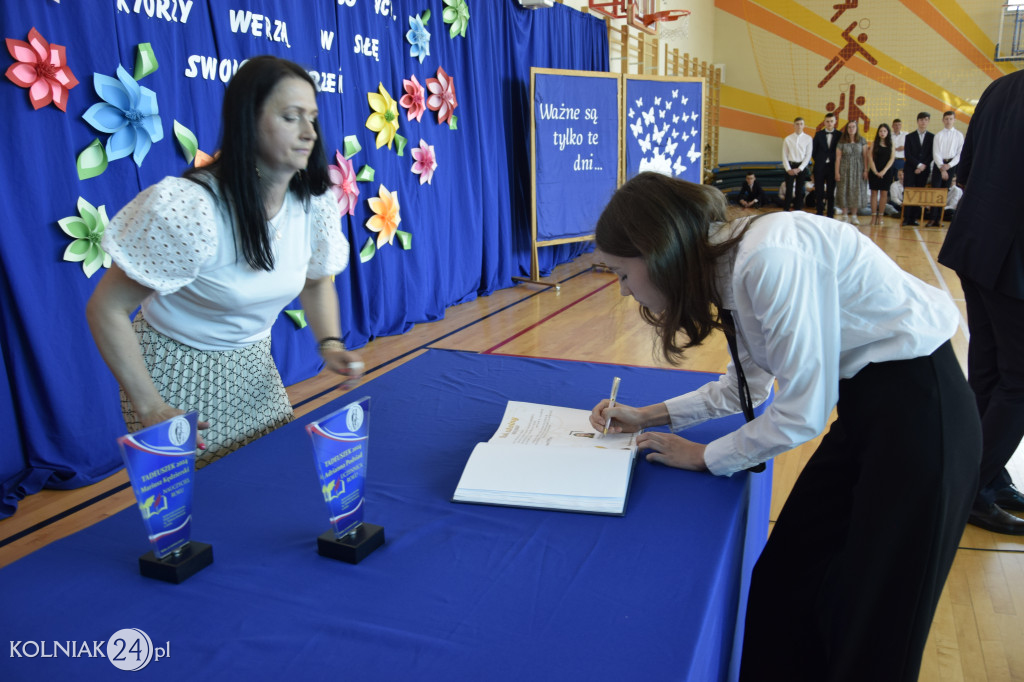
x: 59, y: 406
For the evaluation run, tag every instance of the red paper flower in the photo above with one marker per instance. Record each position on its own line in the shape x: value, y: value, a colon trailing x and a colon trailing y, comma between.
x: 412, y: 101
x: 42, y: 68
x: 442, y: 95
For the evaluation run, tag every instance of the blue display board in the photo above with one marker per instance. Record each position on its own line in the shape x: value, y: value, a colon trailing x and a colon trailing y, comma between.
x: 664, y: 118
x: 575, y: 150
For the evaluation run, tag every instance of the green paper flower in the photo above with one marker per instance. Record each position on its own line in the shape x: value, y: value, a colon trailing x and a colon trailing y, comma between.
x: 87, y: 231
x: 92, y: 161
x: 456, y: 13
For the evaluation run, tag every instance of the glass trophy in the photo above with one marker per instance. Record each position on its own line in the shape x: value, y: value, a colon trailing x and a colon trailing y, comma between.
x: 161, y: 464
x: 340, y: 443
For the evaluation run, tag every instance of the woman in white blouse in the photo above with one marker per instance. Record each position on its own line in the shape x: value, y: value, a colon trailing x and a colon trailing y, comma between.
x: 849, y: 579
x: 214, y: 257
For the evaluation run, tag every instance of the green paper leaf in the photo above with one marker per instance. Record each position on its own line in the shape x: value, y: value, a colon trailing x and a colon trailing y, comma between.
x: 352, y: 146
x: 187, y: 139
x: 90, y: 216
x: 298, y: 317
x: 77, y: 251
x: 425, y: 16
x: 400, y: 143
x: 365, y: 174
x: 453, y: 122
x: 454, y: 31
x: 93, y: 260
x: 404, y: 238
x: 92, y: 161
x: 145, y: 61
x: 368, y: 250
x: 74, y: 226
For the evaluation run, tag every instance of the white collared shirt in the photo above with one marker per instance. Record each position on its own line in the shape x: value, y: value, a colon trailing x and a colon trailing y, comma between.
x: 814, y: 301
x: 898, y: 142
x: 947, y: 144
x: 797, y: 148
x: 896, y: 192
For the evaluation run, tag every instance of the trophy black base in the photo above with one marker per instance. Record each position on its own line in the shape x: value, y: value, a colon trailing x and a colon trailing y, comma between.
x: 351, y: 549
x: 193, y: 557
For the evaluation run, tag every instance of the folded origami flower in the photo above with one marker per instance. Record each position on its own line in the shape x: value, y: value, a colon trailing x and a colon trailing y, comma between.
x: 456, y: 13
x: 384, y: 119
x: 425, y: 162
x: 129, y: 111
x: 442, y: 95
x: 87, y: 231
x: 413, y: 100
x: 42, y: 68
x: 386, y: 217
x: 418, y: 36
x: 344, y: 185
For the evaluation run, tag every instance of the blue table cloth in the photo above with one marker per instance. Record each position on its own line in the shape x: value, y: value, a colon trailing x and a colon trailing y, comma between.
x: 458, y: 592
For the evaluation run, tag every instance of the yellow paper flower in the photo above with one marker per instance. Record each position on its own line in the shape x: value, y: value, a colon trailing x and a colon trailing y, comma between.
x: 384, y: 119
x: 386, y: 219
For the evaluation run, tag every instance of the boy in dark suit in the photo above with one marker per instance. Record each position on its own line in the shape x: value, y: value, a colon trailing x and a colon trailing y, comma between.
x: 823, y: 152
x: 918, y: 152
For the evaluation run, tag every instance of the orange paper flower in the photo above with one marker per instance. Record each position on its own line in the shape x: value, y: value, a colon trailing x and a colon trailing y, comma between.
x: 386, y: 218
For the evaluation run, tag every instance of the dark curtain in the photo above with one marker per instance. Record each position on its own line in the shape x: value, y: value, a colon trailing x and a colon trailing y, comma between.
x: 470, y: 226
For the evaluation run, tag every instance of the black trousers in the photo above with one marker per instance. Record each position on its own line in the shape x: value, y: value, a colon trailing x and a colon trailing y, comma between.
x: 847, y: 585
x: 800, y: 179
x: 995, y: 367
x: 935, y: 213
x: 825, y: 189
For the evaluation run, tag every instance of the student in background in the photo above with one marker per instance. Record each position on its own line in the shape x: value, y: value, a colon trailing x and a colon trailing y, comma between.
x: 899, y: 139
x: 849, y: 580
x: 851, y: 171
x: 918, y: 150
x: 796, y: 154
x: 946, y: 147
x: 881, y: 156
x: 751, y: 195
x: 824, y: 155
x: 896, y: 192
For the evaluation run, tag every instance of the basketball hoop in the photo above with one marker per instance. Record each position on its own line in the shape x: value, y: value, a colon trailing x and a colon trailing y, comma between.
x: 641, y: 14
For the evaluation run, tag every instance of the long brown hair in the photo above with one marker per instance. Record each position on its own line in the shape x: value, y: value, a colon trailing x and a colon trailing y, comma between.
x: 665, y: 222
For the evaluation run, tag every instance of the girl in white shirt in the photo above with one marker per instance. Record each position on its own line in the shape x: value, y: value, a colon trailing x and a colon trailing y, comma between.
x: 847, y: 585
x: 213, y: 258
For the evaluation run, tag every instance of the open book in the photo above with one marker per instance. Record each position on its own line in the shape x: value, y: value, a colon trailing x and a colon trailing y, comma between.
x: 550, y: 458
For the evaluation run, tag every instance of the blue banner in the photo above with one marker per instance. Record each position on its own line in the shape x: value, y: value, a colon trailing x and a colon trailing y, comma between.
x: 576, y: 119
x: 664, y: 127
x: 340, y: 444
x: 161, y: 464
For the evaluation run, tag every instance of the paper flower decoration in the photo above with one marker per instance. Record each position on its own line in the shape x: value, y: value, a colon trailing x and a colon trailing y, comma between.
x: 343, y: 184
x: 456, y: 13
x: 425, y: 162
x: 87, y: 231
x: 413, y: 100
x: 386, y: 218
x: 442, y: 95
x: 418, y: 36
x: 42, y: 68
x: 129, y: 111
x: 384, y: 119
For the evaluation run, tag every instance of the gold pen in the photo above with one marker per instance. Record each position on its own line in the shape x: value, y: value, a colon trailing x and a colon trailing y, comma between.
x: 611, y: 403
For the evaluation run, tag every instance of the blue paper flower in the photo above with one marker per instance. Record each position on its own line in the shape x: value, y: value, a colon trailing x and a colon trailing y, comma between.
x: 419, y: 37
x: 129, y: 111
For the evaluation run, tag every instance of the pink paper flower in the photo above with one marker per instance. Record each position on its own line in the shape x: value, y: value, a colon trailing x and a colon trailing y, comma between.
x: 442, y: 95
x: 425, y: 163
x: 42, y: 68
x: 412, y: 101
x: 343, y: 184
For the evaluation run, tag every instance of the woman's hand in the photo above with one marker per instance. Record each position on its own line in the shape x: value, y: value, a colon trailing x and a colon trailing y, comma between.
x: 837, y: 175
x: 672, y: 450
x: 162, y: 412
x: 865, y: 174
x: 344, y: 362
x: 626, y: 419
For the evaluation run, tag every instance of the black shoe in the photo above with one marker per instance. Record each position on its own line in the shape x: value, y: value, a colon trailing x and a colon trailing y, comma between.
x: 910, y: 223
x: 997, y: 520
x: 1010, y: 498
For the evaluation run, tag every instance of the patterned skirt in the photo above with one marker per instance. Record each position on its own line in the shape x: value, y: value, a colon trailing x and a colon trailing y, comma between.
x: 238, y: 391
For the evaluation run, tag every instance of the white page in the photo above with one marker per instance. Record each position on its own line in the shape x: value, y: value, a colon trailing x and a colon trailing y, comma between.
x: 558, y: 427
